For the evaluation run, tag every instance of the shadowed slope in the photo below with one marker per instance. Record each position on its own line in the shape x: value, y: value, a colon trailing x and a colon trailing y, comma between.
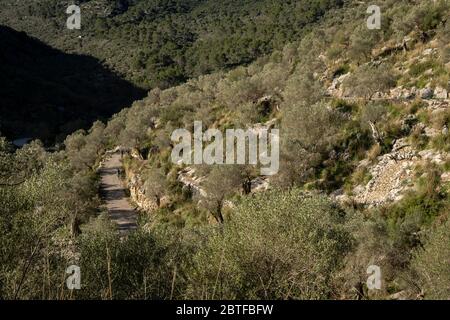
x: 45, y: 92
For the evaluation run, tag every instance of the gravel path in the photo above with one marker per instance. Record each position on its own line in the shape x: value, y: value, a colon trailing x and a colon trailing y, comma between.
x: 113, y: 194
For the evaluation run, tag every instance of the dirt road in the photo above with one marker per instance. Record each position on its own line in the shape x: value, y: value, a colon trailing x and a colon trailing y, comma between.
x: 113, y: 194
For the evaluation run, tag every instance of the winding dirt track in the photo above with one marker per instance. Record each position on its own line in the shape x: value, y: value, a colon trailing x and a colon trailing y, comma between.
x: 113, y: 194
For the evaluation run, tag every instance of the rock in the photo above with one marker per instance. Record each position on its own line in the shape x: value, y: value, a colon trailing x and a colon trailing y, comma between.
x: 379, y: 96
x: 411, y: 94
x: 437, y: 105
x: 445, y: 130
x: 188, y: 178
x: 428, y: 51
x: 396, y: 93
x: 343, y: 199
x: 434, y: 156
x: 336, y: 86
x: 428, y: 72
x: 337, y: 193
x: 426, y: 93
x: 400, y: 144
x: 359, y: 189
x: 403, y: 93
x: 431, y: 132
x: 402, y: 295
x: 445, y: 177
x: 259, y: 184
x: 138, y: 196
x: 426, y: 154
x: 440, y: 93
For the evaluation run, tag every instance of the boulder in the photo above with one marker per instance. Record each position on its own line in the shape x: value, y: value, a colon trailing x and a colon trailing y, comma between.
x: 428, y: 51
x: 426, y: 93
x: 445, y: 177
x: 428, y: 72
x: 336, y: 87
x: 396, y: 93
x: 440, y: 93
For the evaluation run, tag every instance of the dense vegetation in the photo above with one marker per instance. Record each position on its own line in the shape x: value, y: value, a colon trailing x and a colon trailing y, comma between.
x: 149, y: 43
x: 160, y: 43
x: 291, y: 242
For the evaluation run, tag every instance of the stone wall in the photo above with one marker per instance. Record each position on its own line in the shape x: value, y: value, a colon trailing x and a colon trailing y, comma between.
x: 137, y: 193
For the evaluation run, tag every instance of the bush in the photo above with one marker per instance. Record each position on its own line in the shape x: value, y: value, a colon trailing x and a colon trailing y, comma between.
x: 277, y: 245
x: 441, y: 142
x: 431, y: 264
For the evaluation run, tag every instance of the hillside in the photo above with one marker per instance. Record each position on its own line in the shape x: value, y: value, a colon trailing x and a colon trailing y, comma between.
x: 363, y: 181
x: 47, y: 93
x: 161, y: 43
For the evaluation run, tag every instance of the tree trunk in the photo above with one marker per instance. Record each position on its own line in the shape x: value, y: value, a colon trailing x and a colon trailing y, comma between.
x: 75, y: 227
x: 375, y: 133
x: 247, y: 186
x: 219, y: 215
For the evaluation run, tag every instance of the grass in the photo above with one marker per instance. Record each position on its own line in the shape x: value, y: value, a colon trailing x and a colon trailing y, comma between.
x: 441, y: 142
x: 416, y: 106
x: 423, y: 205
x: 361, y: 176
x: 418, y: 69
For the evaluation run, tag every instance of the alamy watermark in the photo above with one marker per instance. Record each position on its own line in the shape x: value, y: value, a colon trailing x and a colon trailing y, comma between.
x: 253, y: 147
x: 74, y: 20
x: 73, y: 282
x: 374, y: 280
x: 374, y: 21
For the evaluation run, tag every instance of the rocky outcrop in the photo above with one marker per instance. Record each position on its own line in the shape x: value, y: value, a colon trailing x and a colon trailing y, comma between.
x: 445, y: 177
x: 268, y: 103
x: 191, y: 182
x: 433, y: 156
x: 400, y: 93
x: 390, y: 177
x: 188, y: 178
x: 260, y: 184
x: 394, y: 174
x: 336, y: 88
x: 440, y: 93
x: 138, y: 196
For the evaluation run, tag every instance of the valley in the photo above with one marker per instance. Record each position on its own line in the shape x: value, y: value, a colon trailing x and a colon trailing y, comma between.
x: 354, y: 121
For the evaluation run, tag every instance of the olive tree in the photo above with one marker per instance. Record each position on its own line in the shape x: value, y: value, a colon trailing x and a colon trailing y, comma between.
x: 221, y: 182
x: 276, y: 245
x: 156, y: 184
x: 432, y: 264
x: 368, y: 80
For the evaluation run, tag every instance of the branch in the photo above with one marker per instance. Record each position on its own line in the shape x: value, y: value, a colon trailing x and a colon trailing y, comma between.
x: 15, y: 184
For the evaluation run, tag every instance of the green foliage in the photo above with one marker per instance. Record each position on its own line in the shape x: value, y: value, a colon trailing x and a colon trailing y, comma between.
x: 37, y: 222
x: 368, y: 80
x: 441, y: 142
x: 418, y: 69
x: 277, y: 245
x: 424, y: 205
x: 162, y: 43
x: 431, y: 264
x: 272, y: 245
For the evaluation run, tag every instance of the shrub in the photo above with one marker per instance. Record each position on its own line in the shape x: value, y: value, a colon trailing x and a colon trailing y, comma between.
x: 277, y: 245
x: 441, y: 142
x: 431, y: 264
